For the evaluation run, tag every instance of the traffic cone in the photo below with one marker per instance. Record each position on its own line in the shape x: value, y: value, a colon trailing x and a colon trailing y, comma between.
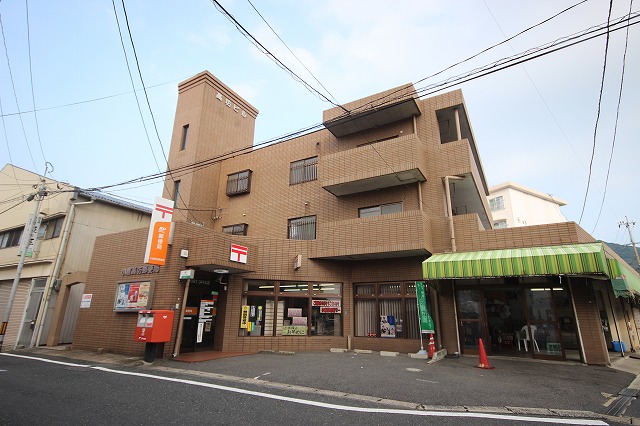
x: 484, y: 361
x: 432, y: 347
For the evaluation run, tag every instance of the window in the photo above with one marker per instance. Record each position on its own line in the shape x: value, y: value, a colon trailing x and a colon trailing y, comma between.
x: 50, y: 229
x: 292, y: 308
x: 496, y: 203
x: 185, y: 135
x: 238, y: 229
x: 380, y: 210
x: 303, y: 228
x: 386, y: 310
x: 500, y: 224
x: 176, y: 191
x: 11, y: 238
x: 303, y: 170
x: 239, y: 183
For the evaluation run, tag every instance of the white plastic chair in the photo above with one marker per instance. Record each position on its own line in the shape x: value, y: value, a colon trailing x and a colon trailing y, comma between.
x: 523, y: 335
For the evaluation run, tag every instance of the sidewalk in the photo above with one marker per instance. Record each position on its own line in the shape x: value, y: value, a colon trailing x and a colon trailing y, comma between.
x: 521, y: 386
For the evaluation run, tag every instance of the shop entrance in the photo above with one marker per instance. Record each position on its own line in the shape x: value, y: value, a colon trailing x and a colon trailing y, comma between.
x: 518, y: 321
x: 201, y: 316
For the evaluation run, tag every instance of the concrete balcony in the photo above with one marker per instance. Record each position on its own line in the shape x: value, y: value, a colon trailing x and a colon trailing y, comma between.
x: 392, y: 162
x: 379, y: 237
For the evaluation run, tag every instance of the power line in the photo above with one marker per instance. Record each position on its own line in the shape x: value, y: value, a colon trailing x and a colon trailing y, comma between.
x: 133, y: 86
x: 490, y: 69
x: 615, y: 128
x: 33, y: 97
x: 294, y: 55
x: 266, y: 51
x: 15, y: 94
x: 595, y: 130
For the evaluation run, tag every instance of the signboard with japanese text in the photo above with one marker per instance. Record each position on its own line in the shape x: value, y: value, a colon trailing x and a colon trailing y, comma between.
x: 159, y: 229
x: 133, y: 296
x: 244, y: 317
x: 327, y: 306
x: 294, y: 330
x: 426, y: 322
x: 86, y: 300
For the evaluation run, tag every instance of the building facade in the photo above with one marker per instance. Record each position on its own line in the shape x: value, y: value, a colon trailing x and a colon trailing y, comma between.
x: 516, y: 205
x: 319, y: 241
x: 51, y: 283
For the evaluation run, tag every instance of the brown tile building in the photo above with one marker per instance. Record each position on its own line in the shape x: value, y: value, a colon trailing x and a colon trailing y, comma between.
x: 336, y: 224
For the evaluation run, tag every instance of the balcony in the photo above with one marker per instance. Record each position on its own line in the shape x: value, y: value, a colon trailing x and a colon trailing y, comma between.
x: 392, y: 162
x: 380, y: 237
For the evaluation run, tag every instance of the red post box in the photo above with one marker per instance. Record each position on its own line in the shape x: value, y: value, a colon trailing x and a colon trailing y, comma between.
x: 154, y: 326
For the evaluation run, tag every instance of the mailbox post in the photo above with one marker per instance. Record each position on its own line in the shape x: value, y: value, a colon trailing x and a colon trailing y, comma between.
x: 154, y: 326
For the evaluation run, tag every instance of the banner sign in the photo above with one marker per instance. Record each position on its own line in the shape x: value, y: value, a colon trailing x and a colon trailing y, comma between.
x: 159, y: 228
x: 244, y: 317
x: 426, y: 322
x: 31, y: 239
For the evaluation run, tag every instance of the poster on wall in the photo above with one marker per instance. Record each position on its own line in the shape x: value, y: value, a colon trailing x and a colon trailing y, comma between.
x: 133, y: 296
x: 387, y: 326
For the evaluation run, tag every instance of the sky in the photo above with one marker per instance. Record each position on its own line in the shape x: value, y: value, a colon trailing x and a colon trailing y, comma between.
x: 534, y: 123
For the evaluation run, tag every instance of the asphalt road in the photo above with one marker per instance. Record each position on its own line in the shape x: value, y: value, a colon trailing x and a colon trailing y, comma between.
x: 308, y: 388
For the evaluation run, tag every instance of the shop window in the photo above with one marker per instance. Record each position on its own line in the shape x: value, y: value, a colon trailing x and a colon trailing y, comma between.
x: 380, y: 210
x: 11, y: 238
x: 237, y: 229
x: 239, y: 183
x: 302, y: 228
x: 326, y: 318
x: 386, y: 310
x: 303, y: 170
x: 290, y: 308
x: 294, y: 318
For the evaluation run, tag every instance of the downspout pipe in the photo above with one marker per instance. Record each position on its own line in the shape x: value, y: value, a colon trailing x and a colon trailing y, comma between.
x: 452, y: 233
x: 56, y: 270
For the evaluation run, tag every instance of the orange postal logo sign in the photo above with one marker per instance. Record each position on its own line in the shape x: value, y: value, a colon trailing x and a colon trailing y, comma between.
x: 158, y: 239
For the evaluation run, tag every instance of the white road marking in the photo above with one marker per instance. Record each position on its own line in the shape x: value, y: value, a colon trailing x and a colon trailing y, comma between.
x: 555, y: 420
x: 263, y: 374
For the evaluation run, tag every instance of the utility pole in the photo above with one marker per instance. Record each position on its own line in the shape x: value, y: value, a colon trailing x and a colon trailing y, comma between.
x: 633, y: 244
x: 26, y: 240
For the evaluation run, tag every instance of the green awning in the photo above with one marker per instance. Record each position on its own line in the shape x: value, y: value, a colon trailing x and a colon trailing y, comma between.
x: 625, y: 282
x: 573, y: 259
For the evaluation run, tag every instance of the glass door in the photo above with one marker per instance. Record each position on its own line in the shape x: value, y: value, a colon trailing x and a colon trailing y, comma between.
x: 542, y: 332
x: 471, y: 320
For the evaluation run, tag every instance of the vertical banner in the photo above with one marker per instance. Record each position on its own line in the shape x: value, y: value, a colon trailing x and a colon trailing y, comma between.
x: 158, y: 239
x: 426, y: 322
x: 244, y: 317
x: 27, y: 242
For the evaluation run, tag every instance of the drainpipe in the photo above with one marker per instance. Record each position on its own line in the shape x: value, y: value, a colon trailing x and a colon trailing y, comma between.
x: 35, y: 339
x: 449, y: 210
x: 176, y: 346
x: 456, y: 112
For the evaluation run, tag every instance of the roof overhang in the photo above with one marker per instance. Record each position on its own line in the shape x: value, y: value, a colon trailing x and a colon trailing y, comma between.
x: 379, y: 116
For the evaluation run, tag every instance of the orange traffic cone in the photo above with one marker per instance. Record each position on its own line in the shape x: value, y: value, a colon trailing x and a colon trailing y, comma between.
x: 484, y: 362
x: 432, y: 347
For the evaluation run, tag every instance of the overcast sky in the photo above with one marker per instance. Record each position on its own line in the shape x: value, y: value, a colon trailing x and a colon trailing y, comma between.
x: 533, y: 123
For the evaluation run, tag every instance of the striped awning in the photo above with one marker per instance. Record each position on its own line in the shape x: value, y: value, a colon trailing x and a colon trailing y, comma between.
x: 570, y: 259
x: 625, y: 283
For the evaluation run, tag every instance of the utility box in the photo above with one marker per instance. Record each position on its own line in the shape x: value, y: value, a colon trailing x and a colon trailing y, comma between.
x: 154, y: 326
